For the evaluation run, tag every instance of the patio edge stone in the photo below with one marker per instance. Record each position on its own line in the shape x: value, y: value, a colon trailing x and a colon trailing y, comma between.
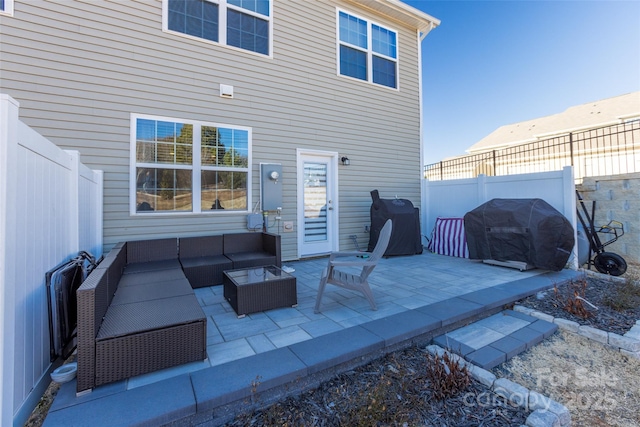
x: 150, y: 405
x: 336, y: 348
x: 452, y: 310
x: 402, y: 326
x: 489, y: 298
x: 67, y: 396
x: 239, y: 379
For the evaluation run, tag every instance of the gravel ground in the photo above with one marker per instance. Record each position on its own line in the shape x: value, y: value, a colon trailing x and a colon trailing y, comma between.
x: 597, y: 384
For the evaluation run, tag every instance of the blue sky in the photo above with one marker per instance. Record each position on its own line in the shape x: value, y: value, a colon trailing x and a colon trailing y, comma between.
x: 492, y: 63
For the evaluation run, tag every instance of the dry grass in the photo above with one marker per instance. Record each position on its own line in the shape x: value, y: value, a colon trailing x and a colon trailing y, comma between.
x: 599, y: 385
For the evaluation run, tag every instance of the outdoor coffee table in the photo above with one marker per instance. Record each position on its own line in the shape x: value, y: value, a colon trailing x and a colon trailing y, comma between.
x: 250, y: 290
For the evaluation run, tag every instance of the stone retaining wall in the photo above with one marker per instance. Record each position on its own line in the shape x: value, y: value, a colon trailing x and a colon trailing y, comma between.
x: 617, y: 198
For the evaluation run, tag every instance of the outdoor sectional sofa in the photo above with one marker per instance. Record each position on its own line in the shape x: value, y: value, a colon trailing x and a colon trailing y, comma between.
x: 205, y: 258
x: 137, y: 311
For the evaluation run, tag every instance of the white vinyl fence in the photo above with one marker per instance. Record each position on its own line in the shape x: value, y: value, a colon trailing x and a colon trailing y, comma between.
x: 50, y: 208
x: 454, y: 198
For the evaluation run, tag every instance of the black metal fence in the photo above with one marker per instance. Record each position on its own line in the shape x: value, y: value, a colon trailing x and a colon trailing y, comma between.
x: 604, y: 151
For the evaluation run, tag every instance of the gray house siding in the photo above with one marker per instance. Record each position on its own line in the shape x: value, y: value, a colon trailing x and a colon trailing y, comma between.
x: 80, y: 69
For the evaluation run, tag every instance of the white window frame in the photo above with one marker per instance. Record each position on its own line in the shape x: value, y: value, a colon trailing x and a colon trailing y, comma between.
x: 369, y: 50
x: 8, y: 8
x: 196, y: 168
x: 223, y: 6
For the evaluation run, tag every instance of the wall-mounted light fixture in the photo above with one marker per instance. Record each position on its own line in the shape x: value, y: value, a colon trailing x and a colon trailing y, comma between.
x: 345, y: 161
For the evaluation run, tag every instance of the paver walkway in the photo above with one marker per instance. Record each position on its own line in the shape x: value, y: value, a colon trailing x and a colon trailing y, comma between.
x: 418, y: 296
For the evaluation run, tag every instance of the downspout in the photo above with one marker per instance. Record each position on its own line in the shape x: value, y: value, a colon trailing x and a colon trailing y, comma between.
x: 420, y: 36
x: 423, y: 185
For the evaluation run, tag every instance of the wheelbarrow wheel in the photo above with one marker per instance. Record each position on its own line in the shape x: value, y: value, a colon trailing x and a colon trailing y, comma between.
x: 610, y: 263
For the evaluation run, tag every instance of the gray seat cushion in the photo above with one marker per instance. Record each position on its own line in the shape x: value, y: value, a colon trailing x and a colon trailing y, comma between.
x: 126, y: 319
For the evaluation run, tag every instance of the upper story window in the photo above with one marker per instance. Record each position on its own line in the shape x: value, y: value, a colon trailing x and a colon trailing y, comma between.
x: 245, y: 24
x: 6, y: 7
x: 367, y: 51
x: 186, y: 166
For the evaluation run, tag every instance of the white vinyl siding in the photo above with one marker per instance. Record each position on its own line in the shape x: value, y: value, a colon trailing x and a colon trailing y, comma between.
x: 242, y: 24
x: 366, y: 51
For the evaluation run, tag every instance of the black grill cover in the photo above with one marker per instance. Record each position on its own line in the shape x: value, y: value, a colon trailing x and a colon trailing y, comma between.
x: 405, y: 234
x: 526, y: 230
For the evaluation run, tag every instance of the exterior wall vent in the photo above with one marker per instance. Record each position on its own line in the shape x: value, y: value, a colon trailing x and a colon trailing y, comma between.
x: 226, y: 91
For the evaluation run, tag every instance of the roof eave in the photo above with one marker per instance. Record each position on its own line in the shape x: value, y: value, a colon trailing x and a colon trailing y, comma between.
x: 402, y: 12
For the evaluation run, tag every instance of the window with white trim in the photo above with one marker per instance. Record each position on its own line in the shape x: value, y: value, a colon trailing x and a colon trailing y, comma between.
x: 367, y: 51
x: 186, y: 166
x: 6, y: 7
x: 245, y: 24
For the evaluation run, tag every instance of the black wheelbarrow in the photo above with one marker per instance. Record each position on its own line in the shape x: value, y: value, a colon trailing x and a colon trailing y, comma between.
x: 605, y: 262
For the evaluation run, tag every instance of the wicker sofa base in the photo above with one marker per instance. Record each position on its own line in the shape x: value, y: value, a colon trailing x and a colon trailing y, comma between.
x: 124, y: 357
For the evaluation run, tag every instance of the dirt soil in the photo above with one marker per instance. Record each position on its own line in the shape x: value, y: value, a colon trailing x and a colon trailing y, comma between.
x: 597, y: 384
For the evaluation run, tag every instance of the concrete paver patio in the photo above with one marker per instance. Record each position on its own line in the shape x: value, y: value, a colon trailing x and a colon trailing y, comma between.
x: 418, y: 297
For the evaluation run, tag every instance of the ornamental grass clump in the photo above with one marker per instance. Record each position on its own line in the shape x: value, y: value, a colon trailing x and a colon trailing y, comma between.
x: 448, y: 377
x: 625, y: 295
x: 574, y: 302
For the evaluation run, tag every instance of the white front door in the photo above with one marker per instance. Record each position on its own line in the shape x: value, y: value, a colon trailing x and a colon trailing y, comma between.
x: 317, y: 202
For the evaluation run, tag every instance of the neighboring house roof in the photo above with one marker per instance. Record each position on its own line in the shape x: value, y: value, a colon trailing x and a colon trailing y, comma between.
x: 580, y: 117
x: 402, y: 12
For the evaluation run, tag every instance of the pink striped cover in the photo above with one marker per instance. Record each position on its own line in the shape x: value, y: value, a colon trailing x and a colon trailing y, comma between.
x: 447, y: 238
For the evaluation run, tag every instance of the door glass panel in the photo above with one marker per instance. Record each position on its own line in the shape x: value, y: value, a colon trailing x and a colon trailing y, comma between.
x: 315, y: 202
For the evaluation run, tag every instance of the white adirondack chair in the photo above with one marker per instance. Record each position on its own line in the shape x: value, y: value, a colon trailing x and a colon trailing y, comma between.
x: 355, y: 282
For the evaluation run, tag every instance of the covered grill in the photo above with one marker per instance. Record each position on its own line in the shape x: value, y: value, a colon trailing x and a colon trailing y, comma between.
x: 525, y: 230
x: 405, y: 237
